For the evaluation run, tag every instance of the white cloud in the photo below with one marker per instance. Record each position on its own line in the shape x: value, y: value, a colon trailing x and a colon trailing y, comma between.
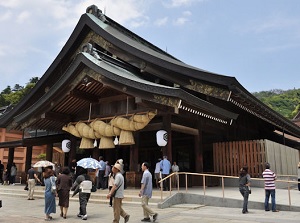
x: 181, y: 21
x: 161, y: 21
x: 38, y: 29
x: 6, y: 16
x: 180, y: 3
x: 23, y: 17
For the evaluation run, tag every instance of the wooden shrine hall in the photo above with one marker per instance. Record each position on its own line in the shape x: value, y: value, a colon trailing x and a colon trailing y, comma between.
x: 108, y: 84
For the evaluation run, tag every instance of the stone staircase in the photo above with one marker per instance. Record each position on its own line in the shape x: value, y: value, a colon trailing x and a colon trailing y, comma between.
x: 131, y: 195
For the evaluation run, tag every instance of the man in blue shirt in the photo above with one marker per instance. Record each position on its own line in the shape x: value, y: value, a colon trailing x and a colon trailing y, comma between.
x: 165, y: 167
x: 146, y: 193
x: 101, y: 173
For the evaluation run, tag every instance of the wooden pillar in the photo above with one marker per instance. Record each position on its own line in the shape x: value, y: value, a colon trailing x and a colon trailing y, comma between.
x: 11, y: 153
x: 134, y: 154
x: 28, y: 158
x: 96, y: 153
x: 167, y: 150
x: 49, y: 152
x: 72, y: 153
x: 198, y: 151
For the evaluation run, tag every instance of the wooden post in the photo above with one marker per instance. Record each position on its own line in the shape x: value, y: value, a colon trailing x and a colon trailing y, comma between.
x: 49, y: 152
x: 72, y: 153
x: 11, y: 153
x: 198, y: 149
x: 28, y: 158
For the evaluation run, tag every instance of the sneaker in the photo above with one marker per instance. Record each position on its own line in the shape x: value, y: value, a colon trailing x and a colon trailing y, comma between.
x: 126, y: 218
x: 155, y: 217
x: 79, y: 215
x: 146, y: 220
x: 84, y: 217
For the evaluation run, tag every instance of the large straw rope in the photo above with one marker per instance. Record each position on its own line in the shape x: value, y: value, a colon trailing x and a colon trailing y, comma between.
x: 136, y: 122
x: 106, y: 143
x: 72, y: 130
x: 105, y: 129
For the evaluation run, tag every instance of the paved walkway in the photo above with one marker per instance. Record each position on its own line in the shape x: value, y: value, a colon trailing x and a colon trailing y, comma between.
x: 16, y: 208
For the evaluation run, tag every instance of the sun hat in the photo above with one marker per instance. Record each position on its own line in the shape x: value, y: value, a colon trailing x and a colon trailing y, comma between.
x: 118, y: 166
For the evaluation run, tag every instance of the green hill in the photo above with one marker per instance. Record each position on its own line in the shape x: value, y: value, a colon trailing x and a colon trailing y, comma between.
x: 287, y: 103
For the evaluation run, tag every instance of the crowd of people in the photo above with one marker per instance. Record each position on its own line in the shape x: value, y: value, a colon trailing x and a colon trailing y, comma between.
x: 8, y: 174
x: 59, y: 181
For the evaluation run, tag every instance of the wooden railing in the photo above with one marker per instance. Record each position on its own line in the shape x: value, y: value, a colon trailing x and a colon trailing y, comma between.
x: 204, y: 175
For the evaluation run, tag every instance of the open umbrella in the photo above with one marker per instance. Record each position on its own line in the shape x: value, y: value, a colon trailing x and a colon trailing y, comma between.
x: 88, y: 163
x: 43, y: 163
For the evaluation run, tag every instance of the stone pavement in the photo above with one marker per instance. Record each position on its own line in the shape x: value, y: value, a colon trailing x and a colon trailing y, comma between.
x: 18, y: 208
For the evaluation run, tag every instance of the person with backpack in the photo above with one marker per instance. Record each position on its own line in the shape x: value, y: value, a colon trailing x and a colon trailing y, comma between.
x: 83, y: 184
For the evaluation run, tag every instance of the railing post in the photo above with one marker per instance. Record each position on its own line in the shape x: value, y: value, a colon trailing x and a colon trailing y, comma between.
x: 161, y: 190
x: 223, y: 189
x: 289, y: 192
x: 177, y: 178
x: 186, y: 183
x: 170, y: 184
x: 204, y: 184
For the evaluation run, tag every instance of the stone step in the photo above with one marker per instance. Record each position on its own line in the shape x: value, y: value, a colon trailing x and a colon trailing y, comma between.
x: 130, y: 195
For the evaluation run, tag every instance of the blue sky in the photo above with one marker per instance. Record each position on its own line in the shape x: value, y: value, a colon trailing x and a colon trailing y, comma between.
x: 255, y: 41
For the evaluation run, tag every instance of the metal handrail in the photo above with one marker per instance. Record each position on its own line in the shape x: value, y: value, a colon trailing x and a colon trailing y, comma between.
x: 204, y: 175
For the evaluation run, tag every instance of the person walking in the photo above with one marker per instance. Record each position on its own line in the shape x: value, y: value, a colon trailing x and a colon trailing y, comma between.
x: 146, y: 193
x: 117, y: 192
x: 111, y: 180
x: 50, y: 206
x: 101, y: 173
x: 64, y: 184
x: 165, y: 166
x: 107, y: 172
x: 157, y: 173
x: 13, y: 174
x: 83, y: 184
x: 1, y: 172
x: 175, y: 169
x: 31, y: 180
x: 244, y: 185
x: 299, y: 176
x: 269, y: 177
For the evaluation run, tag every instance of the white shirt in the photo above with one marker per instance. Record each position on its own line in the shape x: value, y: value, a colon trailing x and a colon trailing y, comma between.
x: 157, y: 167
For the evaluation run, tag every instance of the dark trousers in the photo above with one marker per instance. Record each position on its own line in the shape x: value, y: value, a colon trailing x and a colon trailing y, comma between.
x: 245, y: 193
x: 1, y: 177
x: 101, y: 179
x: 299, y: 184
x: 111, y: 198
x: 166, y: 182
x: 83, y: 200
x: 268, y: 193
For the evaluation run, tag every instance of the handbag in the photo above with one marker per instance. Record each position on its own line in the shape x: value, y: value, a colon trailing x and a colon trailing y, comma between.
x: 94, y: 188
x: 53, y: 185
x: 249, y: 189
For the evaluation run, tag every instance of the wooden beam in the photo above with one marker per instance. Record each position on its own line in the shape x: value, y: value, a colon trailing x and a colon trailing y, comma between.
x: 184, y: 129
x: 120, y: 97
x: 55, y: 116
x: 84, y: 96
